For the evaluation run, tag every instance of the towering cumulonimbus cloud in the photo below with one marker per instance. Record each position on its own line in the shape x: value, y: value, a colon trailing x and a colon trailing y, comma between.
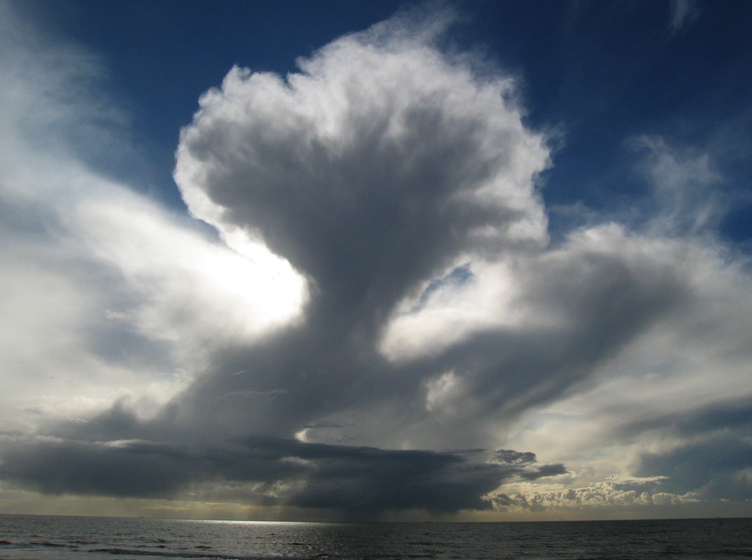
x: 385, y: 171
x: 375, y: 168
x: 381, y: 167
x: 401, y: 182
x: 392, y: 307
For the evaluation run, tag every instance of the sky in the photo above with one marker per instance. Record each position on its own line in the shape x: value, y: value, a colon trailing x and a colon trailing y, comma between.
x: 336, y: 261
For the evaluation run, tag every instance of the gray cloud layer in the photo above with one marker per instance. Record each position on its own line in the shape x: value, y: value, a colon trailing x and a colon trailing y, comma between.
x: 359, y: 481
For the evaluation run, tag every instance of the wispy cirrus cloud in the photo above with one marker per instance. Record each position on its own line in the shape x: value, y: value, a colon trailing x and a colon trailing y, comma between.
x: 683, y: 13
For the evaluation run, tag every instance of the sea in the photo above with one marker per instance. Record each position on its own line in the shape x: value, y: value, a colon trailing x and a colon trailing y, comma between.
x: 100, y: 538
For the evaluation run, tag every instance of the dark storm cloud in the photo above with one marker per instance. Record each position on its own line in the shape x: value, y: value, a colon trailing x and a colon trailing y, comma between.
x: 361, y: 481
x: 515, y: 457
x: 386, y: 170
x: 379, y: 167
x: 735, y: 415
x: 715, y: 467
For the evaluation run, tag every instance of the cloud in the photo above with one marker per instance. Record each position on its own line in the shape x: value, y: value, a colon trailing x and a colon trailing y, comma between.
x: 351, y: 171
x: 190, y: 291
x: 353, y: 168
x: 686, y: 187
x: 107, y: 294
x: 683, y: 13
x: 359, y: 481
x: 380, y: 287
x: 628, y: 494
x: 376, y: 171
x: 402, y: 183
x: 716, y: 467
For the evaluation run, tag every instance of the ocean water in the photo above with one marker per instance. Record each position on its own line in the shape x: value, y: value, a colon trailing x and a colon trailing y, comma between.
x: 92, y: 538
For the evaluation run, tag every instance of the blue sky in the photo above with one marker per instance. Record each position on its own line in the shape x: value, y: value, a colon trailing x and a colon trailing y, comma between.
x: 473, y: 260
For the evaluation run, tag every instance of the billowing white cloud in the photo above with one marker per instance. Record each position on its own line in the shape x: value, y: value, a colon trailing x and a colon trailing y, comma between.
x: 105, y: 294
x: 681, y: 382
x: 186, y: 289
x: 381, y: 163
x: 479, y: 296
x: 593, y: 499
